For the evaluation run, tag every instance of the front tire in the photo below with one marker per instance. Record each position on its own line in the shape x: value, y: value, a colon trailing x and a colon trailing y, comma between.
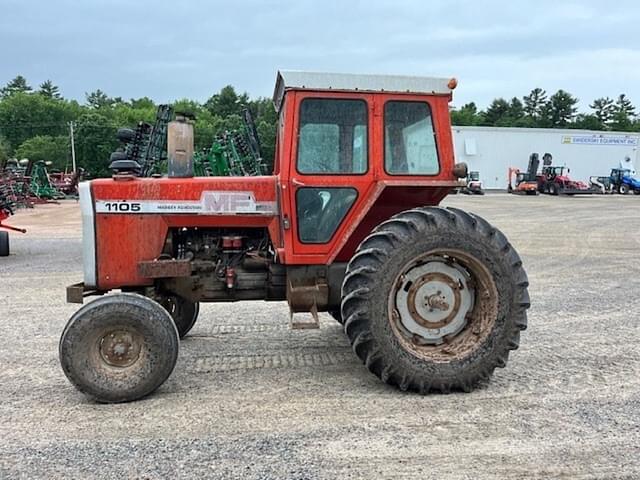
x: 624, y: 189
x: 119, y: 348
x: 434, y: 299
x: 4, y: 243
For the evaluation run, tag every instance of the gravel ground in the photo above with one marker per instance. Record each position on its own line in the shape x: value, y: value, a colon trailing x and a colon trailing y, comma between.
x: 250, y: 398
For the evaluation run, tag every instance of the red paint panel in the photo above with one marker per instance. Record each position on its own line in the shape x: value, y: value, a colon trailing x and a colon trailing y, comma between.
x: 123, y: 240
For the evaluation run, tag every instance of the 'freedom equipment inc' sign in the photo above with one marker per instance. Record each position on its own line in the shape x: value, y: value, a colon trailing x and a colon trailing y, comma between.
x: 618, y: 140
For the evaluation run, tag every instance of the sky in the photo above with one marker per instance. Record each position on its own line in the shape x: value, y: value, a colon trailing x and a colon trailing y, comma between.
x: 192, y: 48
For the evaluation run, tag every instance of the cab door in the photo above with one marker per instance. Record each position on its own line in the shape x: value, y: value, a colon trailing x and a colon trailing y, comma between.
x: 330, y: 170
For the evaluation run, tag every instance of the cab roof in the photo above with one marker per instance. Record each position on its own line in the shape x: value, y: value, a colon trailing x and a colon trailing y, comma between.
x: 296, y: 80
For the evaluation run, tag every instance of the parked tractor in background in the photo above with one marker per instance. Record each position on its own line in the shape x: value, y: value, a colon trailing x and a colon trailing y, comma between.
x: 473, y: 184
x: 526, y: 183
x: 554, y: 181
x: 430, y: 298
x: 623, y: 182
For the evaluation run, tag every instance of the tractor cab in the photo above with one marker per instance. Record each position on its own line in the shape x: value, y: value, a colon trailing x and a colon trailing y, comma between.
x: 551, y: 172
x: 617, y: 174
x: 354, y: 149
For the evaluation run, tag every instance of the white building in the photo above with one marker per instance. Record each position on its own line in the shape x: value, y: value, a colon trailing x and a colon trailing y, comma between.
x: 492, y: 150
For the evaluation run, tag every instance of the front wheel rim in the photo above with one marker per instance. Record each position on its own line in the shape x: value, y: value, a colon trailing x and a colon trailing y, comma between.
x: 120, y: 347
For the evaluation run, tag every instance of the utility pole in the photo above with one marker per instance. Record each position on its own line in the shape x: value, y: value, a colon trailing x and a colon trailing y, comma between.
x: 73, y: 147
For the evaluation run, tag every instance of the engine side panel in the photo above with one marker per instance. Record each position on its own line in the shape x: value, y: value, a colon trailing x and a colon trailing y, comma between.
x: 133, y: 216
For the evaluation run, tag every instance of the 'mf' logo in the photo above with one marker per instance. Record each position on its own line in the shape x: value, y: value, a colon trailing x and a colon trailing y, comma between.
x: 228, y: 202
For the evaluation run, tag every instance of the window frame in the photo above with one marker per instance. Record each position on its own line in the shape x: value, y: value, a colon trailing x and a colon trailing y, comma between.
x: 340, y: 223
x: 384, y: 139
x: 368, y: 137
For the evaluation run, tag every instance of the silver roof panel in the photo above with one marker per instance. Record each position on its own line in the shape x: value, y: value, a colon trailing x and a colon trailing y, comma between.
x: 287, y: 80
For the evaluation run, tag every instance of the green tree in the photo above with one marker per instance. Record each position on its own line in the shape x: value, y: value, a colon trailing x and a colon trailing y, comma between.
x: 5, y: 149
x: 623, y: 113
x: 587, y: 122
x: 497, y: 112
x: 98, y: 99
x: 603, y: 110
x: 47, y: 148
x: 49, y: 90
x: 227, y: 102
x: 23, y: 116
x: 17, y: 85
x: 144, y: 102
x: 560, y: 109
x: 516, y: 109
x: 534, y: 103
x: 95, y: 138
x: 465, y: 115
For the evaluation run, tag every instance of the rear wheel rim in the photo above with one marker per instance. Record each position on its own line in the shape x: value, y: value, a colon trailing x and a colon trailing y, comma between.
x: 443, y: 305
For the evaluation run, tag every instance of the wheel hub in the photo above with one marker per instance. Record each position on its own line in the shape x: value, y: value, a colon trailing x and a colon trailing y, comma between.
x: 120, y: 348
x: 433, y: 300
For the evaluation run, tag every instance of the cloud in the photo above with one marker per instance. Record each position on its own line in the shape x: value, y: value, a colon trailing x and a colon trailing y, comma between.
x: 169, y: 50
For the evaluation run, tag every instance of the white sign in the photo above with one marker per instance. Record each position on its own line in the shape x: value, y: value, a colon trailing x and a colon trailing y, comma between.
x: 210, y: 203
x: 616, y: 140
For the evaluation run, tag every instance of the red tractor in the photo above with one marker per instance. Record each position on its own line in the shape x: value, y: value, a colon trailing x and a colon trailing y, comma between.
x: 554, y: 182
x: 431, y: 298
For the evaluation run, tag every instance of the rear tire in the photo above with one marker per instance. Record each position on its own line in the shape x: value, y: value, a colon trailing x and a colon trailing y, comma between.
x: 337, y: 316
x: 451, y: 250
x: 4, y: 243
x: 119, y: 348
x: 624, y: 189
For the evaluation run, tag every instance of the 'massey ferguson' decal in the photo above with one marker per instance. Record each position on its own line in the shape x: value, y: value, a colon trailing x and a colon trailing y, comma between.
x: 210, y: 203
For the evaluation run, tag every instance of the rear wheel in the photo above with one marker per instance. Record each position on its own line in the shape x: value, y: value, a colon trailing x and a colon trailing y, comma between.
x: 119, y: 348
x: 184, y: 313
x: 435, y: 299
x: 337, y: 316
x: 4, y: 243
x: 624, y: 189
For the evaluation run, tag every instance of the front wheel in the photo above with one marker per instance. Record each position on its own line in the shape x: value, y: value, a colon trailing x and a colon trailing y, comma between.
x: 119, y: 348
x: 624, y: 189
x: 4, y: 243
x: 434, y: 299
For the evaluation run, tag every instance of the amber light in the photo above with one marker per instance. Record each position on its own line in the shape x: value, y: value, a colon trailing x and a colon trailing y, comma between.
x: 453, y: 83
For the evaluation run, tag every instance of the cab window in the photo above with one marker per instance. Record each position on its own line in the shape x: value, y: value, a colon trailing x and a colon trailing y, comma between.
x: 410, y: 146
x: 332, y: 136
x: 321, y: 211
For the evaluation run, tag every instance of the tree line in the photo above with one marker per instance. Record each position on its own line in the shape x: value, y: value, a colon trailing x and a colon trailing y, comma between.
x: 34, y: 123
x: 560, y: 110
